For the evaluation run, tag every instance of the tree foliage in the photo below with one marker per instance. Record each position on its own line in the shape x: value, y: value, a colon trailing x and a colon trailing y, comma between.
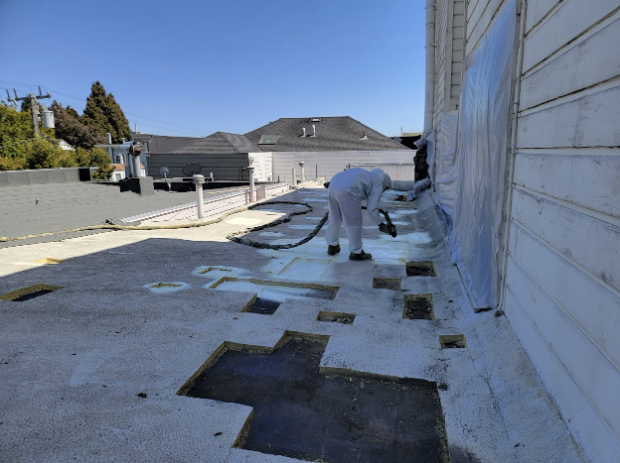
x: 104, y: 113
x: 72, y: 130
x: 19, y: 149
x: 73, y: 113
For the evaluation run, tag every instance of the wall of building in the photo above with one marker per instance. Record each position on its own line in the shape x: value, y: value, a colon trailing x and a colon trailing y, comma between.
x: 449, y: 53
x: 560, y: 280
x: 563, y: 278
x: 43, y: 176
x: 224, y: 166
x: 327, y: 164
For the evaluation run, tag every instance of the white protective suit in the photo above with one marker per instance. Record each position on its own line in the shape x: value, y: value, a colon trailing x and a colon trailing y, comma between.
x: 347, y: 190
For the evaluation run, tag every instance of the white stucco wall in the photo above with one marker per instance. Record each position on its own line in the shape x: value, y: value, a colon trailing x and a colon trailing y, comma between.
x: 397, y: 163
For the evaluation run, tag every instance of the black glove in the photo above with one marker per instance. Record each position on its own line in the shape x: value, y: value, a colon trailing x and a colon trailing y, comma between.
x: 384, y: 228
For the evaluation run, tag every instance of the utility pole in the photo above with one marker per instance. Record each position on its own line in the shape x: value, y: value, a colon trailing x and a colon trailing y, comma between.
x: 34, y: 107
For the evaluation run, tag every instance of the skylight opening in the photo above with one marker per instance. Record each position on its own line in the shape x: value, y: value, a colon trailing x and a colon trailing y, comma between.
x: 268, y: 139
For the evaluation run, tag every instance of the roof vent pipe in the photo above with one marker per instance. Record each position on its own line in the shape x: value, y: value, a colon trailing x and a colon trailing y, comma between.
x: 314, y: 130
x: 304, y: 129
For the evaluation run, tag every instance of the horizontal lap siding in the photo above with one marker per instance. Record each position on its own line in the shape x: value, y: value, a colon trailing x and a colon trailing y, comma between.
x: 458, y: 40
x: 597, y: 63
x: 569, y: 20
x: 441, y: 32
x: 563, y: 277
x: 571, y: 400
x: 480, y: 20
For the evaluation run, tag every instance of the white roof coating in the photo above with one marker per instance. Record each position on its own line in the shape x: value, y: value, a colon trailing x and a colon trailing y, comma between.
x: 136, y: 315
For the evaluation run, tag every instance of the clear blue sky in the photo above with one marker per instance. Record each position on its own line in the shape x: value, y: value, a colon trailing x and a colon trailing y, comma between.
x: 198, y: 67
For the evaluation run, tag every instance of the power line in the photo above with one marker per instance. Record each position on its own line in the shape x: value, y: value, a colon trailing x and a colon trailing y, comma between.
x: 187, y: 129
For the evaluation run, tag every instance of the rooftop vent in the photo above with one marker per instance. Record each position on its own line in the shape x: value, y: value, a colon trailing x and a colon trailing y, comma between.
x: 304, y: 134
x: 364, y: 137
x: 268, y: 139
x: 315, y: 120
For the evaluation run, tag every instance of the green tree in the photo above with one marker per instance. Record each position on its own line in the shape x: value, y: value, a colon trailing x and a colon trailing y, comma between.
x: 104, y: 113
x: 72, y: 130
x: 43, y: 154
x: 26, y: 107
x: 95, y: 157
x: 73, y: 113
x: 117, y: 120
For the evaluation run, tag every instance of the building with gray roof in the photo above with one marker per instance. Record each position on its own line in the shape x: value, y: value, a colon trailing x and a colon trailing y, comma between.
x: 293, y: 134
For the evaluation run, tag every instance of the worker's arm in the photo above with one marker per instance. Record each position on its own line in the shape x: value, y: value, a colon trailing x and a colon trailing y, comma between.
x: 373, y: 201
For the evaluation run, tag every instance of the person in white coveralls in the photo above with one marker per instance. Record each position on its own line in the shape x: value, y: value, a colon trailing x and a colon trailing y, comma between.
x: 346, y: 191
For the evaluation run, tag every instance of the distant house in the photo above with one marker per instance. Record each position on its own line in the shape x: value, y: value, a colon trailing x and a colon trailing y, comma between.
x: 320, y: 134
x: 225, y: 156
x: 119, y: 172
x: 63, y: 145
x: 338, y: 141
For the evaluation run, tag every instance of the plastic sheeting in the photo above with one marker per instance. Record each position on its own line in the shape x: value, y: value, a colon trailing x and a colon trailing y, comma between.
x: 445, y: 179
x: 474, y: 190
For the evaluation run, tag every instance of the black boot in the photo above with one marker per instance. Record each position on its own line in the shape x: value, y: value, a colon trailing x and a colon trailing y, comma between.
x: 333, y: 250
x: 361, y: 256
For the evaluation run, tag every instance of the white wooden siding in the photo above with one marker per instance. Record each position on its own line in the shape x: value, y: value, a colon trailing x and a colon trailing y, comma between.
x: 557, y: 78
x: 441, y: 35
x: 563, y: 278
x: 568, y: 21
x: 480, y: 20
x: 449, y: 54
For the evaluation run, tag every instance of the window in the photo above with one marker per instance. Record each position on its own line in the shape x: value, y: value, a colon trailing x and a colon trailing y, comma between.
x: 268, y: 139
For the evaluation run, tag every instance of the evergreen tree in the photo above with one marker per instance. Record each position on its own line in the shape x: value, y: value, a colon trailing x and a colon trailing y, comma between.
x: 73, y: 113
x: 72, y: 131
x: 117, y: 119
x: 104, y: 113
x: 26, y: 107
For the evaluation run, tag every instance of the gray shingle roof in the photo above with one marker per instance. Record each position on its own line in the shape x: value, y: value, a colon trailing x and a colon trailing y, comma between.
x: 219, y: 143
x: 332, y: 134
x: 161, y: 144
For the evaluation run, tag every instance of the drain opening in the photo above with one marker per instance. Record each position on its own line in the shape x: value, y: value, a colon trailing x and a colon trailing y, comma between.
x: 337, y: 317
x: 452, y: 341
x: 419, y: 307
x: 421, y: 269
x: 302, y: 410
x: 262, y: 306
x: 29, y: 292
x: 386, y: 283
